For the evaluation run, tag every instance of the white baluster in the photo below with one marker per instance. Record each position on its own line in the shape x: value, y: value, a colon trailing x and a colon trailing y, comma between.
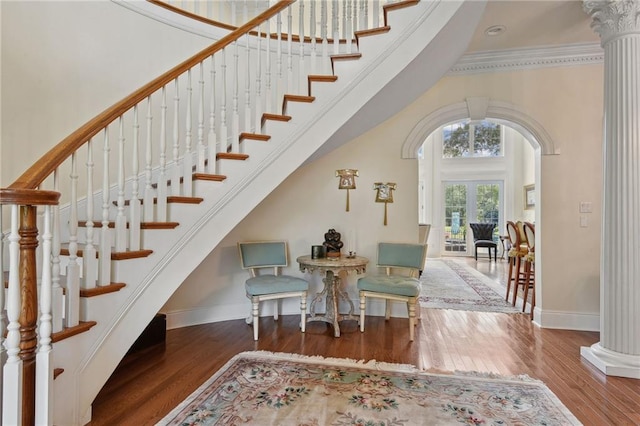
x: 44, y: 356
x: 375, y: 13
x: 356, y: 25
x: 89, y: 261
x: 247, y: 86
x: 313, y: 66
x: 288, y: 82
x: 335, y: 30
x: 187, y: 159
x: 279, y: 89
x: 258, y: 100
x: 72, y: 294
x: 121, y: 219
x: 147, y: 200
x: 301, y: 65
x: 268, y: 92
x: 161, y: 206
x: 235, y: 115
x: 12, y: 385
x: 57, y: 293
x: 3, y: 314
x: 175, y: 169
x: 213, y: 140
x: 344, y: 20
x: 224, y: 142
x: 324, y: 23
x: 349, y: 27
x: 365, y: 15
x: 104, y: 266
x: 200, y: 163
x: 134, y: 204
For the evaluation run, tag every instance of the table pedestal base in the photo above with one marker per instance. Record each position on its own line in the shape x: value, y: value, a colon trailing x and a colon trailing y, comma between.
x: 333, y: 292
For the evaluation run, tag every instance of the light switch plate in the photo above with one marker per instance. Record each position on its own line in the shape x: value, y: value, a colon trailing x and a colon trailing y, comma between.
x: 586, y: 206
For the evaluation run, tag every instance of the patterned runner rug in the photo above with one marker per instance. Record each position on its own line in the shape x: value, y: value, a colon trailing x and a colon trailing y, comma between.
x: 452, y: 284
x: 264, y: 388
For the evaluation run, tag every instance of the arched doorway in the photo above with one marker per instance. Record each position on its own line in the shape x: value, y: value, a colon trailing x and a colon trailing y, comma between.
x: 504, y: 113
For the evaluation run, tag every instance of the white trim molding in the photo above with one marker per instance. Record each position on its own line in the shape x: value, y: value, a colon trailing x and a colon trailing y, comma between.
x: 529, y: 58
x: 563, y: 320
x: 500, y: 111
x: 612, y: 363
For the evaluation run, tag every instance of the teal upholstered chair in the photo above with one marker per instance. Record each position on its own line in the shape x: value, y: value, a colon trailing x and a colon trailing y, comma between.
x: 257, y: 256
x: 402, y: 263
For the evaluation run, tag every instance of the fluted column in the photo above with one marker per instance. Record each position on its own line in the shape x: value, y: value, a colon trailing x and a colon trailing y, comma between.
x: 618, y: 352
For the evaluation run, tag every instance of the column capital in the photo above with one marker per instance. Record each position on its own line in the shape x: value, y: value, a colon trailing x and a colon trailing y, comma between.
x: 612, y: 18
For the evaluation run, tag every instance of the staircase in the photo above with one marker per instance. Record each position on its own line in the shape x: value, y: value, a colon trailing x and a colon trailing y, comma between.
x: 112, y: 257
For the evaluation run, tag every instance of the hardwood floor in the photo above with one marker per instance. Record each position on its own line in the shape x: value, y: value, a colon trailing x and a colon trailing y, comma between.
x: 147, y: 385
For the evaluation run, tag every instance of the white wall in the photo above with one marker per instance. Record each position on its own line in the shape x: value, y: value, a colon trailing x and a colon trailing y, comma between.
x: 54, y: 80
x: 566, y: 102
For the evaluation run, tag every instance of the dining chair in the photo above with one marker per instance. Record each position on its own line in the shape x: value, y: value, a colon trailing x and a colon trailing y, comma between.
x: 529, y: 266
x: 399, y: 283
x: 483, y: 237
x: 261, y: 286
x: 516, y: 254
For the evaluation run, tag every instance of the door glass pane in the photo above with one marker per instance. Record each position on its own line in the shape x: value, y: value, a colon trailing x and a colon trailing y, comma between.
x: 488, y: 206
x: 455, y: 218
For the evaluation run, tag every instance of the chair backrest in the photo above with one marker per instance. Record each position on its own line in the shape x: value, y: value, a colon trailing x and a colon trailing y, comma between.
x: 530, y: 234
x: 514, y: 234
x: 401, y: 255
x: 423, y: 232
x: 263, y: 254
x: 482, y: 231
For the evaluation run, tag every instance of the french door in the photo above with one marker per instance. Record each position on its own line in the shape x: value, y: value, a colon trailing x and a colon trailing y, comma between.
x: 468, y: 202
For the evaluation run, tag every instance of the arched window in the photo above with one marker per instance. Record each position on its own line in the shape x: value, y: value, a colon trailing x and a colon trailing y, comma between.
x: 471, y: 139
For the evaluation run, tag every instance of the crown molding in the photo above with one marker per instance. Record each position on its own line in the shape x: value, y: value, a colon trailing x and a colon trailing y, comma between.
x: 529, y: 58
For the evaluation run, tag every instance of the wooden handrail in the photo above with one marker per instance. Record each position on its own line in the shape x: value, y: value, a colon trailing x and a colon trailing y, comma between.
x: 28, y: 197
x: 190, y: 15
x: 46, y: 165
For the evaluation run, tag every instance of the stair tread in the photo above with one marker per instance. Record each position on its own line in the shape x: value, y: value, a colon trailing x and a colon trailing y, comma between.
x: 57, y: 372
x: 372, y: 31
x: 115, y: 255
x: 97, y: 291
x: 178, y: 199
x: 299, y: 98
x: 72, y: 331
x: 277, y: 117
x: 231, y: 156
x: 197, y: 176
x: 396, y: 6
x: 321, y: 79
x: 143, y: 225
x: 254, y: 136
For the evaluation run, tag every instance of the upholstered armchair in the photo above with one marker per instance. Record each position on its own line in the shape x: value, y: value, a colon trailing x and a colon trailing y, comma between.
x: 483, y: 238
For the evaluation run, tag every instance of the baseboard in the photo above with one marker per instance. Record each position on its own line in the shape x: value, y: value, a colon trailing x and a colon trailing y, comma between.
x: 375, y: 307
x: 568, y: 320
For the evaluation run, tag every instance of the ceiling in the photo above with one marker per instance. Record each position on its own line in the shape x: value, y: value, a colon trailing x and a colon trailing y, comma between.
x: 532, y: 23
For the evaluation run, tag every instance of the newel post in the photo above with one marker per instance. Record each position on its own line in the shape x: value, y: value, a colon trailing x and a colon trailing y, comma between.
x: 28, y: 310
x: 23, y: 300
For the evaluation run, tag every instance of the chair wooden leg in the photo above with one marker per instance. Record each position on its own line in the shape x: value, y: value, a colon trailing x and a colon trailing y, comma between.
x: 363, y: 303
x: 516, y: 280
x: 303, y: 312
x: 412, y: 319
x: 255, y: 311
x: 527, y: 276
x: 511, y: 262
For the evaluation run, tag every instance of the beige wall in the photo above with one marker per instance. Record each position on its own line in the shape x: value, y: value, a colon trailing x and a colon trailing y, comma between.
x: 567, y: 102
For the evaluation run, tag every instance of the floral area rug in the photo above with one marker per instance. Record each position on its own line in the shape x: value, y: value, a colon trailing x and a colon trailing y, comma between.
x: 452, y: 284
x: 265, y: 388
